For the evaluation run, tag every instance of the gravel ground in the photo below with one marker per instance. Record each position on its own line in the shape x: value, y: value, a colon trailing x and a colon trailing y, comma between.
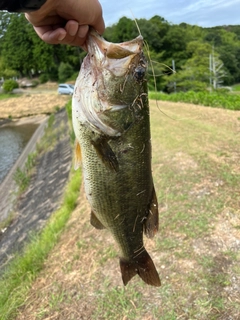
x: 42, y: 197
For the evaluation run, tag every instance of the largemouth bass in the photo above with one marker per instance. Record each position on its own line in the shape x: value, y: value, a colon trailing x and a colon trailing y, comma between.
x: 112, y: 128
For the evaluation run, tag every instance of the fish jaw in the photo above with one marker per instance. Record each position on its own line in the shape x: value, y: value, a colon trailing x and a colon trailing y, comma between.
x: 115, y: 57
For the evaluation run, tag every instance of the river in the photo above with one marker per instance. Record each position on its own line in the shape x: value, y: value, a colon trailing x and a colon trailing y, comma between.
x: 13, y: 139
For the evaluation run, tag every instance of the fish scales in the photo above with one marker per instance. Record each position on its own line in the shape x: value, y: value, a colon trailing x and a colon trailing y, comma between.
x: 112, y: 127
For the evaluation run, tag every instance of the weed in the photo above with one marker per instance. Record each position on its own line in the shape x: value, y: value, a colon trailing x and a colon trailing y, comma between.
x: 56, y: 108
x: 6, y: 222
x: 22, y: 179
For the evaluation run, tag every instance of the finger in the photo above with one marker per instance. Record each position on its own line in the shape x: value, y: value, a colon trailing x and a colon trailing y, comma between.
x: 75, y: 34
x: 71, y: 28
x: 83, y: 31
x: 48, y: 35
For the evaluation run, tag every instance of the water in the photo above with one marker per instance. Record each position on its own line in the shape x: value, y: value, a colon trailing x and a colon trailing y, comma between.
x: 13, y: 140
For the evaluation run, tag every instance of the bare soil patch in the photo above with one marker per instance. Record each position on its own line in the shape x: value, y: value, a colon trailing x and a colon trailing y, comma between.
x: 32, y: 104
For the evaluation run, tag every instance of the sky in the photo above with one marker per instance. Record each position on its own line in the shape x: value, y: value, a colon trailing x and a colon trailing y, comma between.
x: 204, y: 13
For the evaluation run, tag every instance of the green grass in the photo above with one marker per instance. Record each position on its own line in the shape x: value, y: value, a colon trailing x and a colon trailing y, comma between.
x: 129, y: 304
x: 236, y: 87
x: 9, y: 95
x: 214, y: 99
x: 24, y: 269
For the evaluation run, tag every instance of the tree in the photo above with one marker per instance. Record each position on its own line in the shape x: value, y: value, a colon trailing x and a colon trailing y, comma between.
x: 65, y: 71
x: 24, y: 52
x: 195, y: 73
x: 174, y: 46
x: 4, y: 22
x: 124, y: 30
x: 17, y: 46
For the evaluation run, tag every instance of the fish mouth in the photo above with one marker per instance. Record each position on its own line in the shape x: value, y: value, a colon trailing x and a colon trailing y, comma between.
x: 111, y: 55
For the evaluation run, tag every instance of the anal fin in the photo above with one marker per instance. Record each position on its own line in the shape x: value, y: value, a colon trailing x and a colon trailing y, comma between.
x: 151, y: 222
x: 141, y: 265
x: 106, y: 153
x: 95, y: 222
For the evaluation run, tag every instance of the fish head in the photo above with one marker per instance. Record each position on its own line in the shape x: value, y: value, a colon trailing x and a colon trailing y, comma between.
x: 111, y: 79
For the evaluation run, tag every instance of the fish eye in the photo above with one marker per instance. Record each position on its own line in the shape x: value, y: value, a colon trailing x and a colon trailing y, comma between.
x: 139, y: 73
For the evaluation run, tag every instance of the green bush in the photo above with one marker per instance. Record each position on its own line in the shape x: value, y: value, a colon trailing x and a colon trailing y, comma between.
x: 210, y: 99
x: 43, y: 78
x: 9, y: 85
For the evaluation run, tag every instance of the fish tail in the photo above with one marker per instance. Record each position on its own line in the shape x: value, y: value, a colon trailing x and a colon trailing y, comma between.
x: 141, y: 265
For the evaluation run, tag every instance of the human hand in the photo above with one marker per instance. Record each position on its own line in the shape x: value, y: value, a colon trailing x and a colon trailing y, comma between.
x: 67, y: 21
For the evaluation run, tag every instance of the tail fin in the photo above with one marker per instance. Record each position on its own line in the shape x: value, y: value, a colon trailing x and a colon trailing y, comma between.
x: 141, y: 265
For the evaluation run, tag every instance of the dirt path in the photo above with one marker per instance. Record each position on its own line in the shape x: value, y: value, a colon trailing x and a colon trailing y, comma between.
x: 44, y: 194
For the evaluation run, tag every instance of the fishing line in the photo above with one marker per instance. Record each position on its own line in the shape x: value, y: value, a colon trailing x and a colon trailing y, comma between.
x: 146, y: 46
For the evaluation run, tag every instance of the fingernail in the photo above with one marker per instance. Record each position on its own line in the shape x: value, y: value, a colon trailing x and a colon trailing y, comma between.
x: 82, y: 31
x: 61, y: 37
x: 73, y: 32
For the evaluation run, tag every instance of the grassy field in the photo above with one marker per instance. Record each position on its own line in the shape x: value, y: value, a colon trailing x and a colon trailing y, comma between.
x: 196, y: 156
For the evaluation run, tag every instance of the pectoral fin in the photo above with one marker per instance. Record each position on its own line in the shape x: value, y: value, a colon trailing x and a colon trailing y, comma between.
x: 78, y: 155
x: 95, y: 222
x: 151, y: 223
x: 106, y: 153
